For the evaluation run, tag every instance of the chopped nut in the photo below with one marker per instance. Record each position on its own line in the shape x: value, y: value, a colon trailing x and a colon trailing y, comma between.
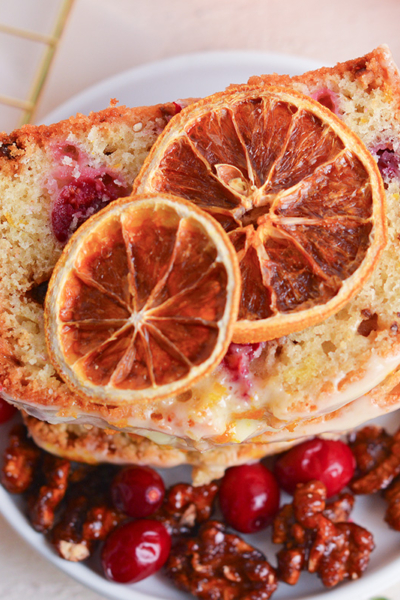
x: 185, y: 506
x: 377, y: 456
x: 46, y: 496
x: 21, y: 460
x: 339, y: 510
x: 73, y: 552
x: 312, y: 542
x: 218, y: 565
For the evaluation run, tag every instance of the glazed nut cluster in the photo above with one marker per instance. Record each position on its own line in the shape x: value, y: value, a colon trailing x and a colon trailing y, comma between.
x: 217, y: 565
x: 185, y: 506
x: 72, y: 506
x: 315, y: 541
x: 377, y: 456
x: 87, y: 516
x: 21, y: 460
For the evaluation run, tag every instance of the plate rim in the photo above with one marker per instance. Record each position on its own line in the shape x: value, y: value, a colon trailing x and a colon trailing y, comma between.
x: 174, y: 63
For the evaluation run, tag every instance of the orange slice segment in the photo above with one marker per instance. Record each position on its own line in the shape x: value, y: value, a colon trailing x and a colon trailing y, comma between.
x: 143, y: 300
x: 297, y: 192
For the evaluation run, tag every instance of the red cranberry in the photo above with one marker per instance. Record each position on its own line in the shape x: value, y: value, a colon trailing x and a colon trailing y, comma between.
x: 138, y: 491
x: 249, y: 497
x: 79, y: 200
x: 135, y: 550
x: 331, y: 462
x: 7, y: 411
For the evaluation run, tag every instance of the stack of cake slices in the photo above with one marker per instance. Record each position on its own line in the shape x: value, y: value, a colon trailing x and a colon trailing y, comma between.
x: 325, y: 379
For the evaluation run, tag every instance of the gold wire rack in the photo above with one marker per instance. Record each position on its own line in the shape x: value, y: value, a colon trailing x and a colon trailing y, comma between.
x: 28, y: 105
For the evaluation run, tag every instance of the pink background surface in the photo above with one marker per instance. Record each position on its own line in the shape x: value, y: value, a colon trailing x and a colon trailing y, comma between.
x: 105, y: 37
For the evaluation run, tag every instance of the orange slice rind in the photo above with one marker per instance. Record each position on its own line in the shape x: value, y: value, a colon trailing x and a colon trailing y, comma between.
x: 143, y: 300
x: 297, y: 192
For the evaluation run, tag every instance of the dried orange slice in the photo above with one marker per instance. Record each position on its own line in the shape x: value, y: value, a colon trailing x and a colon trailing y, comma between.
x: 297, y: 192
x: 142, y: 301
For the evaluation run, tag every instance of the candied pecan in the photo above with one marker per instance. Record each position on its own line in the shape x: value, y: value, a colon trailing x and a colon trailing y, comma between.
x: 21, y: 459
x: 186, y: 506
x: 370, y: 446
x: 347, y: 560
x: 378, y: 459
x: 67, y: 534
x: 312, y: 542
x: 48, y: 492
x: 88, y: 515
x: 219, y: 565
x: 392, y: 497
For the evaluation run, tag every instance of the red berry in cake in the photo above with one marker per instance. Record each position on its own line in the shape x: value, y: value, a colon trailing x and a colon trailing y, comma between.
x: 7, y: 411
x: 237, y: 361
x: 249, y: 497
x: 388, y: 163
x: 79, y: 200
x: 238, y: 357
x: 138, y: 491
x: 327, y: 98
x: 329, y: 461
x: 178, y: 107
x: 135, y: 550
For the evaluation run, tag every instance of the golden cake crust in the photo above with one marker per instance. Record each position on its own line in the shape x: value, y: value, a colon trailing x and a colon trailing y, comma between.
x: 93, y: 445
x: 373, y: 70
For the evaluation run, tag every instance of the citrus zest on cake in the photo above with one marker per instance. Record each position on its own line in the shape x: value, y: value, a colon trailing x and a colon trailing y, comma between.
x: 299, y: 195
x: 143, y: 300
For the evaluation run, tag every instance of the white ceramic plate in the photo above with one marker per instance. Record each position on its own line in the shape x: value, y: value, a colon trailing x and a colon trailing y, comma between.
x: 191, y: 76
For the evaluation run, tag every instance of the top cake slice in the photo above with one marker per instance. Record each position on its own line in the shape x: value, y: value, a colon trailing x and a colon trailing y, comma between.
x: 267, y: 388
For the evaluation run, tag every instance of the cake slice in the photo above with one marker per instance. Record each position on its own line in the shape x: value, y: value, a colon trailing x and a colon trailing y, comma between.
x: 264, y: 392
x: 52, y: 178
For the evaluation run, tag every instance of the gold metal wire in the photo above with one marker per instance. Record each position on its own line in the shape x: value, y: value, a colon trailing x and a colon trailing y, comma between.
x: 29, y: 105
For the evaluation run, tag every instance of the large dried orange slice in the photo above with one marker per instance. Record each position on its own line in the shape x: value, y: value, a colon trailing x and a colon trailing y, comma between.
x: 297, y: 192
x: 142, y: 301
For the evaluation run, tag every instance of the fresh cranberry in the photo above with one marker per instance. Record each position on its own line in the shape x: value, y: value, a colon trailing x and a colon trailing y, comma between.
x: 7, y: 411
x: 249, y: 497
x: 138, y: 491
x: 329, y: 461
x: 135, y: 550
x: 79, y: 200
